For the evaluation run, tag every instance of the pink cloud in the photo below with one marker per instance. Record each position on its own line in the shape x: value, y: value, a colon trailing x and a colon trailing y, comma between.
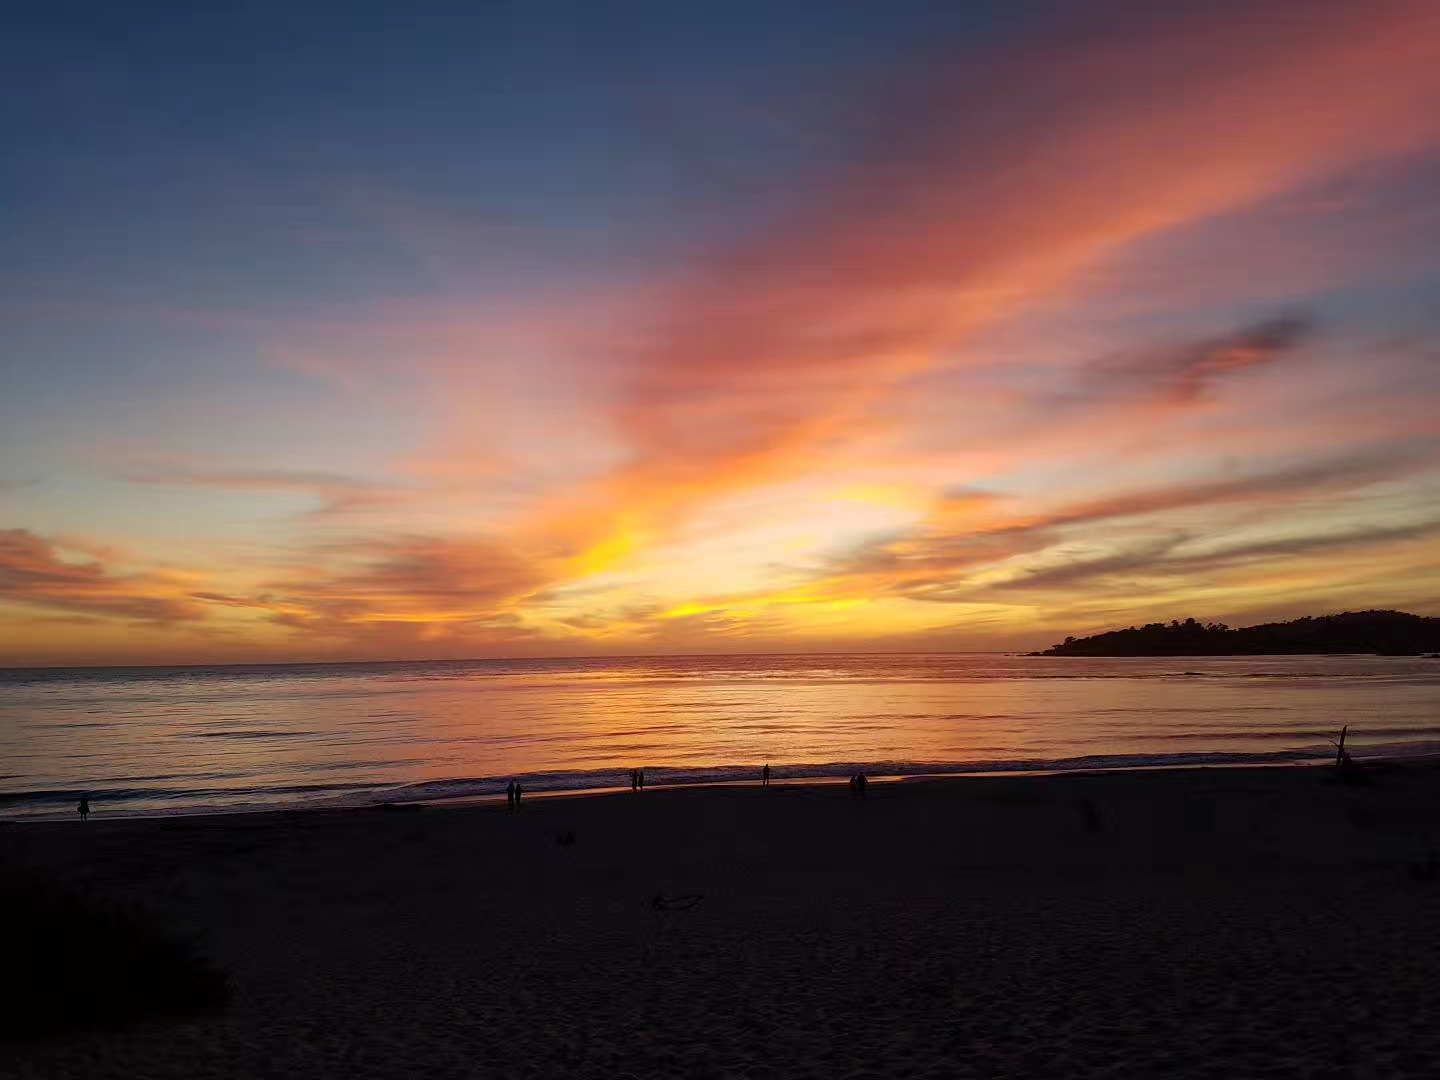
x: 987, y: 189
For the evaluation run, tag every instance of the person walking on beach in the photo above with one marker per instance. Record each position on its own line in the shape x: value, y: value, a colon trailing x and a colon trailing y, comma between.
x: 84, y: 806
x: 518, y: 792
x: 634, y: 779
x: 510, y: 795
x: 765, y: 775
x: 641, y: 774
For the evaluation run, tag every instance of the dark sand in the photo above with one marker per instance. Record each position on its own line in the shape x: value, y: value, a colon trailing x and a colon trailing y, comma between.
x: 1217, y: 923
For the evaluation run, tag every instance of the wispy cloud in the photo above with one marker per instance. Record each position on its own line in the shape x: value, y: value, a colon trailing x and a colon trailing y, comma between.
x: 941, y: 560
x: 335, y: 492
x: 991, y: 188
x: 980, y: 193
x: 1182, y: 374
x: 573, y: 443
x: 1189, y: 555
x: 35, y: 572
x: 406, y: 586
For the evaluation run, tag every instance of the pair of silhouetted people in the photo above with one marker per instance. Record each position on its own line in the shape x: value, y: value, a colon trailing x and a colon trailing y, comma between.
x: 765, y: 776
x: 637, y: 779
x: 857, y: 785
x: 513, y: 791
x: 84, y: 806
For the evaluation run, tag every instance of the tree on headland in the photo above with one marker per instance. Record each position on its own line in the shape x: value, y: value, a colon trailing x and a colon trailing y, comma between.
x: 1388, y: 633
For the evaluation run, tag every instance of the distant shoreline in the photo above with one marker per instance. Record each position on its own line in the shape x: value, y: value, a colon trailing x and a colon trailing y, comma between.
x: 1053, y: 652
x: 1350, y: 633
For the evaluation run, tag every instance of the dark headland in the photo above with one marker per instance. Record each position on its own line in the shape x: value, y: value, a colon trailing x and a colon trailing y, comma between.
x: 1386, y: 633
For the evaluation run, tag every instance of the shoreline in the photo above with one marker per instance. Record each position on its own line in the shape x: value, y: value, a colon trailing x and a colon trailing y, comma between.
x: 821, y: 776
x: 1371, y: 769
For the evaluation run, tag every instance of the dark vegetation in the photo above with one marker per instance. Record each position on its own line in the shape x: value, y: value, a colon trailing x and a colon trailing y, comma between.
x: 1388, y: 633
x: 74, y: 964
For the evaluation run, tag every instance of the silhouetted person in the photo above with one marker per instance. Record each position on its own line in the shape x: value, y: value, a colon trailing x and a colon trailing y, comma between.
x: 519, y: 791
x: 765, y: 776
x: 510, y: 794
x: 860, y: 782
x: 634, y: 779
x: 84, y: 806
x: 640, y: 773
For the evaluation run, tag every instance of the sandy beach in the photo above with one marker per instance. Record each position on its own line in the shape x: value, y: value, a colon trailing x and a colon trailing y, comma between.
x: 1211, y: 923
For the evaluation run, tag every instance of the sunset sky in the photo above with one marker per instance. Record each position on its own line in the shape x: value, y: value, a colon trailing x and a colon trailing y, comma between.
x: 473, y: 329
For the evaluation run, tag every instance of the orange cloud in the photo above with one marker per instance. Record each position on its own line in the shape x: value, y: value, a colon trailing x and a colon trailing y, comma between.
x: 939, y: 560
x: 984, y: 189
x: 34, y: 572
x: 990, y: 188
x: 414, y: 585
x: 981, y: 192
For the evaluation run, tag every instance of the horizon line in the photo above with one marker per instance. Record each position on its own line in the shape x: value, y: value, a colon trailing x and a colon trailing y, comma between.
x: 508, y: 659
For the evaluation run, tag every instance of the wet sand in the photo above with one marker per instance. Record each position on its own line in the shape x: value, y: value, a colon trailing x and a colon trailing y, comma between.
x: 1207, y: 923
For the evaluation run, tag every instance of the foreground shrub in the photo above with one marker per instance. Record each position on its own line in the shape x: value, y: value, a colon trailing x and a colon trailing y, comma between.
x: 71, y: 963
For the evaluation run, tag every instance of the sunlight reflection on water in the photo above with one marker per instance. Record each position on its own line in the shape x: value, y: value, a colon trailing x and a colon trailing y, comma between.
x: 212, y: 738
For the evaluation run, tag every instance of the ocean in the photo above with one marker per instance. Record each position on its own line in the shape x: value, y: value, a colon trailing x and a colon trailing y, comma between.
x: 152, y: 741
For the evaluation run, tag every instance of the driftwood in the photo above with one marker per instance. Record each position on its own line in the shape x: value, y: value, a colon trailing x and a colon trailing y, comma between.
x: 1344, y: 763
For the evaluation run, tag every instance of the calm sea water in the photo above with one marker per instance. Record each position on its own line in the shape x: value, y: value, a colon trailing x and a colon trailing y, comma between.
x: 194, y: 740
